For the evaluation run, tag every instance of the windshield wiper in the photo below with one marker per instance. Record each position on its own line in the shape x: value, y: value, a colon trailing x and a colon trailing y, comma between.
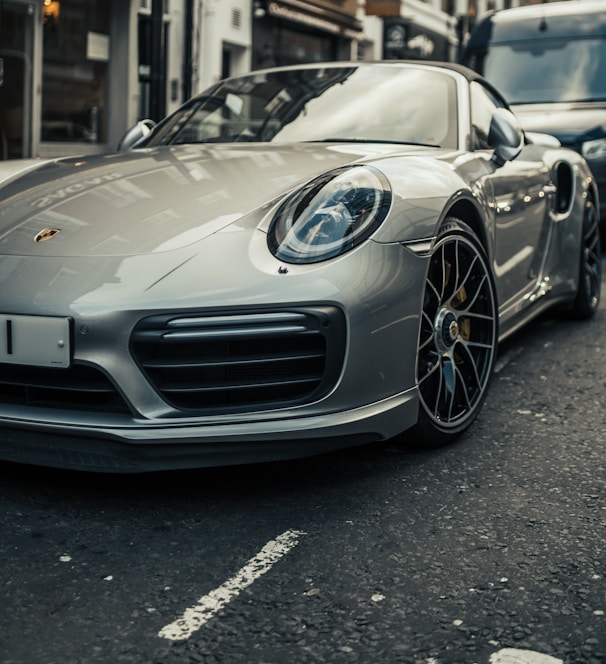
x: 556, y: 101
x: 577, y: 101
x: 371, y: 140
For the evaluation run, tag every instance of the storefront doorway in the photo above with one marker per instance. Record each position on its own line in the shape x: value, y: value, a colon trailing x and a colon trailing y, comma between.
x: 75, y: 66
x: 16, y: 67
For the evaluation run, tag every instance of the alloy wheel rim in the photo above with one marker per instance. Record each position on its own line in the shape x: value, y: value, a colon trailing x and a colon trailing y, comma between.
x: 457, y: 338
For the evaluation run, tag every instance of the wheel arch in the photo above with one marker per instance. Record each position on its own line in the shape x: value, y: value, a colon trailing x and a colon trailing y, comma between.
x: 467, y: 211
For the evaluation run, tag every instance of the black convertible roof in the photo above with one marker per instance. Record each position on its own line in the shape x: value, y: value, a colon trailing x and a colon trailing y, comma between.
x: 466, y: 72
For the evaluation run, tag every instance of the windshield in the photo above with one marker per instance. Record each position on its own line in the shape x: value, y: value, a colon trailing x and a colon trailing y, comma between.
x: 382, y: 103
x: 548, y: 70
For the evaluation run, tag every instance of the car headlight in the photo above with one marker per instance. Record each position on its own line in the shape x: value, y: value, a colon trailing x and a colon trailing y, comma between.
x: 330, y: 215
x: 594, y: 149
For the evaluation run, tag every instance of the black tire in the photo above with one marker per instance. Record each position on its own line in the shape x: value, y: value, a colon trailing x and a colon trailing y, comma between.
x: 458, y: 337
x: 590, y: 268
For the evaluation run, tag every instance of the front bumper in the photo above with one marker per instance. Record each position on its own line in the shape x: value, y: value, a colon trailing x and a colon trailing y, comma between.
x: 368, y: 396
x: 122, y: 449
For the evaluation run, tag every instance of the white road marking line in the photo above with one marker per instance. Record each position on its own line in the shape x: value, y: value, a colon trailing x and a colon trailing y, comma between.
x: 516, y: 656
x: 208, y: 605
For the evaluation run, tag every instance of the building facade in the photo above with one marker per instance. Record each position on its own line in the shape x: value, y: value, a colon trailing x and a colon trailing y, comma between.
x: 75, y: 74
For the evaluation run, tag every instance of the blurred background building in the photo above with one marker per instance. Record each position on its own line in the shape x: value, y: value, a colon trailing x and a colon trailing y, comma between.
x: 75, y: 74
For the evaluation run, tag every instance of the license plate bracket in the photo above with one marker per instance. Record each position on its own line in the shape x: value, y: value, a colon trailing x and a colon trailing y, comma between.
x: 42, y: 341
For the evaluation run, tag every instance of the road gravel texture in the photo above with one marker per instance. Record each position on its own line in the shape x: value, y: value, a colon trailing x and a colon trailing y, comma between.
x: 491, y: 551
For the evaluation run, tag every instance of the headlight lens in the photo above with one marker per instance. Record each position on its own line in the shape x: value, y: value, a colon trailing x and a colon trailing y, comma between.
x: 594, y: 149
x: 330, y: 215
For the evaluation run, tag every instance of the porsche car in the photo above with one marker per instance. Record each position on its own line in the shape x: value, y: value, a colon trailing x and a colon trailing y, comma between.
x: 297, y: 260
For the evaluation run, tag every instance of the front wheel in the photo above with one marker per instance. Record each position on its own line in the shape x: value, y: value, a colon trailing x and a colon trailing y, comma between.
x: 458, y: 336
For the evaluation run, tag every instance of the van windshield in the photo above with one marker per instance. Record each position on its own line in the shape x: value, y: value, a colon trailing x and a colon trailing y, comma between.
x: 549, y: 70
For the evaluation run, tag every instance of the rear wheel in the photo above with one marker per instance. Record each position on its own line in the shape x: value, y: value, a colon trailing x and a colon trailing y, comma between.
x: 457, y: 337
x: 590, y: 270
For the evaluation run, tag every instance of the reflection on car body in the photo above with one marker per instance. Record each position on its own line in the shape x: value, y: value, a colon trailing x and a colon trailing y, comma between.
x: 297, y: 260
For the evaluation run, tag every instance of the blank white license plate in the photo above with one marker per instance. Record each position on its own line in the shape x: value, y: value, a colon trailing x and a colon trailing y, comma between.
x: 41, y: 341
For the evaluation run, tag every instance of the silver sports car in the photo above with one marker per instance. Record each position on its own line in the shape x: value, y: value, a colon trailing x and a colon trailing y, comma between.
x: 297, y: 260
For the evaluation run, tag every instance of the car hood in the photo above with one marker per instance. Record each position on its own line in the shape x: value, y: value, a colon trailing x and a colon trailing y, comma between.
x: 11, y: 168
x: 570, y: 122
x: 155, y: 200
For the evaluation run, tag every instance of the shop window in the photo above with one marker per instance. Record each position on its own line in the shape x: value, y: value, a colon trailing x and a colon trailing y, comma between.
x: 16, y: 53
x: 296, y: 47
x: 75, y: 70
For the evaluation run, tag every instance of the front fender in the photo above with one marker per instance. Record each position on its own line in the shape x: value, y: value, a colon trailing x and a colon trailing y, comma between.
x: 424, y: 191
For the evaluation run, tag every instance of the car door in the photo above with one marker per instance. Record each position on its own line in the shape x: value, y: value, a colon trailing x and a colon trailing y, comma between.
x: 521, y: 214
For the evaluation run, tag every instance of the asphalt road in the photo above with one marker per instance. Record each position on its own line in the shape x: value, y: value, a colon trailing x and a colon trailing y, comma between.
x: 492, y: 551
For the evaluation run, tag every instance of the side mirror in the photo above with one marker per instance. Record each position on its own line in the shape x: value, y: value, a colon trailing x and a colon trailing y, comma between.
x: 505, y: 135
x: 135, y: 134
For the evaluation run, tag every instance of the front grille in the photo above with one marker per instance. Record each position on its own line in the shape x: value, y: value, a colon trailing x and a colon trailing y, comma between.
x: 78, y: 387
x: 233, y: 362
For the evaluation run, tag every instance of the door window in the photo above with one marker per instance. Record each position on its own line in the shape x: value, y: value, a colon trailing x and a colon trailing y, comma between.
x: 483, y: 106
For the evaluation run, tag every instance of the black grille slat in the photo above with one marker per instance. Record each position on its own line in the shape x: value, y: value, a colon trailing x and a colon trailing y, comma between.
x: 228, y: 362
x: 78, y: 387
x: 175, y: 389
x: 243, y: 362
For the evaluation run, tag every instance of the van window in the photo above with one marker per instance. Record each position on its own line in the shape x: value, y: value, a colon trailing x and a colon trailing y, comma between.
x: 548, y: 70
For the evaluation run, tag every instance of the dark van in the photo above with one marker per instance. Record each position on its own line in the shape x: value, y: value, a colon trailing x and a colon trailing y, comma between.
x: 549, y: 61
